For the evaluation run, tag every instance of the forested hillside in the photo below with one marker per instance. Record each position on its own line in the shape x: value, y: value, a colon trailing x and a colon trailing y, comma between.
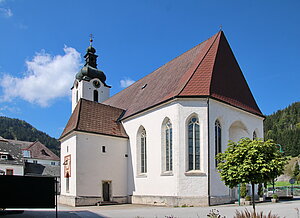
x: 284, y: 127
x: 21, y: 130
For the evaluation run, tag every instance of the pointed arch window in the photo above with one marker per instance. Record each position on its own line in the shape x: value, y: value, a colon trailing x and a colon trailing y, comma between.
x: 143, y: 154
x: 254, y: 135
x: 218, y: 139
x: 95, y: 95
x: 193, y: 144
x: 76, y: 96
x: 167, y: 148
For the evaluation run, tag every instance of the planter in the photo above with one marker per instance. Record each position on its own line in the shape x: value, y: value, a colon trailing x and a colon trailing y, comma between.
x: 248, y: 202
x: 274, y: 200
x: 242, y: 201
x: 263, y: 198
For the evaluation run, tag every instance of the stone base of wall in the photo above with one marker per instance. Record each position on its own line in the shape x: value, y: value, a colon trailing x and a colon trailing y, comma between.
x: 77, y: 201
x: 170, y: 200
x: 216, y: 200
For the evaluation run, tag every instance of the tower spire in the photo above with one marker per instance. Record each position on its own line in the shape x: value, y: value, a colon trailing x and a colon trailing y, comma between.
x: 90, y: 56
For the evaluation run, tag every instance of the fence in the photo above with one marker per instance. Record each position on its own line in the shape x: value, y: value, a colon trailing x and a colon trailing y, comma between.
x: 283, y: 191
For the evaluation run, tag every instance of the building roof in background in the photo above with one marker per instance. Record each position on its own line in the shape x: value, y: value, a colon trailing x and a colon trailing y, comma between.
x: 37, y: 150
x: 207, y: 70
x: 93, y: 117
x: 14, y: 153
x: 21, y: 144
x: 40, y: 151
x: 34, y: 169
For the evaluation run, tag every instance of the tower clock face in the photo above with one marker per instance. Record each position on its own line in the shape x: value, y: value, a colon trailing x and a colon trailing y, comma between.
x: 96, y: 84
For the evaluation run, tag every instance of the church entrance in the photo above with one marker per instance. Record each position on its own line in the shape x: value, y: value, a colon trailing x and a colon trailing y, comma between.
x: 106, y: 186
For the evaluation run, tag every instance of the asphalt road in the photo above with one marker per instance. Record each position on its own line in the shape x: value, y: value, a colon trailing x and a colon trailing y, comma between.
x: 288, y: 209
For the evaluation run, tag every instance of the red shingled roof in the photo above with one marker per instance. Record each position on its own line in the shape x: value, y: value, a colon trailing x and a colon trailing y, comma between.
x: 93, y: 117
x: 207, y: 70
x: 40, y: 151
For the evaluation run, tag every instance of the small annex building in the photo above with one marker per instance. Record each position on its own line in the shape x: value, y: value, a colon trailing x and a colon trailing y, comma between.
x: 155, y: 142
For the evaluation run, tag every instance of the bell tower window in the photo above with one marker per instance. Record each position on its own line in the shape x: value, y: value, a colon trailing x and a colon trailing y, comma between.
x: 95, y: 95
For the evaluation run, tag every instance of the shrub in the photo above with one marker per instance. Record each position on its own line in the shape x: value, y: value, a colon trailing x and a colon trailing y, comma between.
x: 274, y: 196
x: 247, y: 214
x: 248, y: 198
x: 243, y: 190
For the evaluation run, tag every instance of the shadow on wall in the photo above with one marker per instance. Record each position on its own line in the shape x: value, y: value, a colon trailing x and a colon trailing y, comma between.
x: 130, y: 179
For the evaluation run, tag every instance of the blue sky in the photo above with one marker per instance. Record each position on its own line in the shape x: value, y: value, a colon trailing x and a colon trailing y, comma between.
x: 43, y: 42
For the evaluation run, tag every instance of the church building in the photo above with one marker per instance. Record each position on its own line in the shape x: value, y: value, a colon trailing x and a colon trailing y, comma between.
x: 155, y: 142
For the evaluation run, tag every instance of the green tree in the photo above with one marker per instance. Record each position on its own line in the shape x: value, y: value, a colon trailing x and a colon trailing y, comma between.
x: 296, y: 171
x: 250, y: 161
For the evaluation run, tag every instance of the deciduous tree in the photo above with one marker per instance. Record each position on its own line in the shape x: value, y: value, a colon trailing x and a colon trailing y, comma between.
x: 250, y: 161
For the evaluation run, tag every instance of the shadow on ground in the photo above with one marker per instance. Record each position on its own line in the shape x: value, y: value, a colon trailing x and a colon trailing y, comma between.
x: 50, y: 214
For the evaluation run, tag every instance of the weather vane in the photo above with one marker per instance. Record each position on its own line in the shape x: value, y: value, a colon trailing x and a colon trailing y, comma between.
x: 91, y: 39
x: 220, y: 27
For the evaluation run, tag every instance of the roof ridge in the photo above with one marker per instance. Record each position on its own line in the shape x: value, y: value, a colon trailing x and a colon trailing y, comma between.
x: 216, y: 36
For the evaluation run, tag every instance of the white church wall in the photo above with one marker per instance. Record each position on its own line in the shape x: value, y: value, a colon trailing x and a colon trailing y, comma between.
x: 68, y: 147
x: 154, y: 182
x: 189, y: 187
x: 235, y: 124
x: 95, y: 166
x: 192, y: 183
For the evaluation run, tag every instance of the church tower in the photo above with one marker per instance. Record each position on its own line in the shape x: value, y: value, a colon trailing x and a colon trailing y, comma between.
x: 90, y: 83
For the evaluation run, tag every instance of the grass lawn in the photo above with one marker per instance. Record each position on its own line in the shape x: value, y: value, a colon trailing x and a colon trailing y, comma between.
x: 278, y: 184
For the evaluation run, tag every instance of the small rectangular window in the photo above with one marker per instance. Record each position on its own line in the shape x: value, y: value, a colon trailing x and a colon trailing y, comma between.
x: 3, y: 157
x: 103, y: 149
x: 9, y: 172
x: 52, y: 163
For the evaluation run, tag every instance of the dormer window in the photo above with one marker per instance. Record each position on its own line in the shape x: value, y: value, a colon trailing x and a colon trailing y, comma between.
x: 26, y: 153
x: 3, y: 157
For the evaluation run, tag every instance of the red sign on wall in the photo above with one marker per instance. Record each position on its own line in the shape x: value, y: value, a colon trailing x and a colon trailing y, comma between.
x: 67, y: 164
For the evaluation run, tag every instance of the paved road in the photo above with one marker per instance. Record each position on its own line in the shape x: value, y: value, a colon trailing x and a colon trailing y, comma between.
x: 283, y: 209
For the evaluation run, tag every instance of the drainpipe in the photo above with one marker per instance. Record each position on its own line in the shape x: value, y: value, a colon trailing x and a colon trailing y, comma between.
x: 208, y: 152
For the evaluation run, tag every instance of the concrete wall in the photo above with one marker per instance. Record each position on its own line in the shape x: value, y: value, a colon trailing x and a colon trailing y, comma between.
x: 18, y: 169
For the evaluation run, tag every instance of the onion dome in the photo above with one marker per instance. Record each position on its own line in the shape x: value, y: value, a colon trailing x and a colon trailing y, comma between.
x: 89, y: 70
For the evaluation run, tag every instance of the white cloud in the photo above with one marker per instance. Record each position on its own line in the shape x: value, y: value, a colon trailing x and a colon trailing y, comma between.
x: 126, y: 82
x: 6, y: 12
x: 47, y: 78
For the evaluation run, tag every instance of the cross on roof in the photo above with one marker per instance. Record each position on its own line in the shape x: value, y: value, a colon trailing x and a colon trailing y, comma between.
x: 91, y: 39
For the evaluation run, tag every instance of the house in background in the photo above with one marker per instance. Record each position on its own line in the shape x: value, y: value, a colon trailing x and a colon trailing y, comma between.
x: 36, y: 152
x: 11, y: 159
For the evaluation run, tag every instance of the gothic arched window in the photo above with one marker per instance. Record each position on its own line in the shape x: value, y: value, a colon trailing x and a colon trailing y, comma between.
x: 218, y: 139
x: 254, y: 135
x: 167, y: 146
x: 143, y: 153
x: 193, y: 144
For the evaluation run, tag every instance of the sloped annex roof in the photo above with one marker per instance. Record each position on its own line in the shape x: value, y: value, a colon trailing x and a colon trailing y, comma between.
x: 93, y: 117
x: 207, y: 70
